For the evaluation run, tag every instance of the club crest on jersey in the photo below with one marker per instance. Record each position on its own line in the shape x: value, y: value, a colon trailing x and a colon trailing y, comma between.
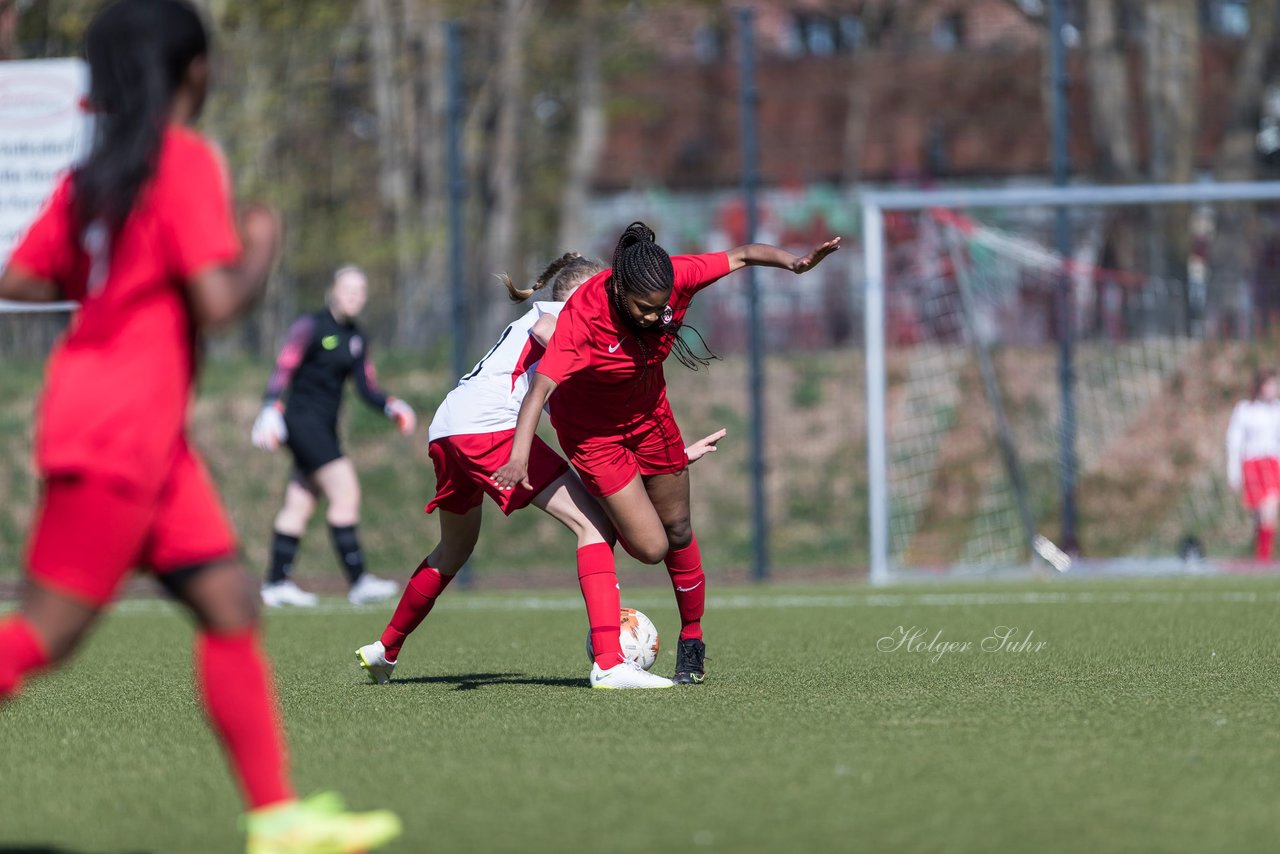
x: 356, y: 346
x: 329, y: 342
x: 667, y: 314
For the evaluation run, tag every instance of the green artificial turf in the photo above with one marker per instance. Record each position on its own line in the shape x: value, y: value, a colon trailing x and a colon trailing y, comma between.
x: 1147, y: 721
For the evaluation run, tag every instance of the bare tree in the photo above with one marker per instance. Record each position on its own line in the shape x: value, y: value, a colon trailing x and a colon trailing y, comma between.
x: 1171, y: 82
x: 589, y: 129
x: 9, y: 29
x: 1236, y: 160
x: 501, y: 244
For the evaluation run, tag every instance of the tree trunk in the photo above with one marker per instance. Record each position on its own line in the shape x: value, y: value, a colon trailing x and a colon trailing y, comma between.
x: 394, y: 175
x: 1111, y: 112
x: 1171, y: 54
x: 589, y: 133
x: 501, y: 247
x: 9, y: 30
x: 1229, y: 298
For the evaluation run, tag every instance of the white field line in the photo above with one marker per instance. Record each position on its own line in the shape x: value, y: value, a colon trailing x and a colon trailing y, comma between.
x: 567, y: 602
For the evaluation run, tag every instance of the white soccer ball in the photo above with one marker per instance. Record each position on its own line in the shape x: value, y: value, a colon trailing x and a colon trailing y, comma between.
x: 639, y: 638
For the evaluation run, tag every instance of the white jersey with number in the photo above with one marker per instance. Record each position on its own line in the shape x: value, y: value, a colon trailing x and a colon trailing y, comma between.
x: 488, y: 398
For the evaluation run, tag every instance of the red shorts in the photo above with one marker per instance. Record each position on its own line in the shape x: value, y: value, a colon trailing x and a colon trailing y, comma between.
x: 1261, y: 480
x: 608, y: 463
x: 464, y: 465
x: 88, y: 533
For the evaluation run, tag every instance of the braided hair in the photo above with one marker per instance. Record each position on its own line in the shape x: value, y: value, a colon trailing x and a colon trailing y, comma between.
x: 563, y: 275
x: 641, y: 266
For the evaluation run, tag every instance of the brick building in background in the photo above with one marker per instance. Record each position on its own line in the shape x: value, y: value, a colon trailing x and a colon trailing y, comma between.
x: 914, y: 94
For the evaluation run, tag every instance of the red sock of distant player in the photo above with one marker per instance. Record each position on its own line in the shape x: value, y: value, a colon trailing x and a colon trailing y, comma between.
x: 685, y: 568
x: 598, y: 578
x: 1266, y: 536
x: 416, y: 602
x: 234, y: 680
x: 21, y: 652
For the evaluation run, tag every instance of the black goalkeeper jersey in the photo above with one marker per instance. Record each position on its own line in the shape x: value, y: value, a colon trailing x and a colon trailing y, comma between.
x: 318, y: 356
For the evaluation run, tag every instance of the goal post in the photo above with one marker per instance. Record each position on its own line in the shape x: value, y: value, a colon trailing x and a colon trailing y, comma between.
x: 1154, y: 342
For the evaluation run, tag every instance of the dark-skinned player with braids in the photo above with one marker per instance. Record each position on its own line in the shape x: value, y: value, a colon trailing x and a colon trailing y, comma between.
x: 604, y: 377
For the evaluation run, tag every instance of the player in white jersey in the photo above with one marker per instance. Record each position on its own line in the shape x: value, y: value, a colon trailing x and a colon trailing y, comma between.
x: 1253, y: 457
x: 470, y: 437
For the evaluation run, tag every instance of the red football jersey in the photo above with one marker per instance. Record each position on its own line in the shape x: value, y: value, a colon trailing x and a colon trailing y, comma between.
x: 118, y: 383
x: 596, y: 361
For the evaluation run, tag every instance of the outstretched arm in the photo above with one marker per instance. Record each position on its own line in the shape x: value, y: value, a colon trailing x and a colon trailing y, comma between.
x: 704, y: 446
x: 219, y: 293
x: 516, y: 471
x: 764, y: 255
x: 391, y: 406
x: 21, y: 285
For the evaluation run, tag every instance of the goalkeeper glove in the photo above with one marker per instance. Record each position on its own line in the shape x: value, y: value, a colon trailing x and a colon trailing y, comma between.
x: 269, y: 431
x: 401, y: 413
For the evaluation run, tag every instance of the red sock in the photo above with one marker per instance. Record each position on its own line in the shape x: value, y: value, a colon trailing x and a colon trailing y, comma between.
x: 685, y: 568
x: 234, y: 680
x: 416, y: 602
x: 598, y: 578
x: 1265, y: 537
x: 21, y: 651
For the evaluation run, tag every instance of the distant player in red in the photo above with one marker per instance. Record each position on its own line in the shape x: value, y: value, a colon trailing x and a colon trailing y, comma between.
x: 470, y: 435
x: 142, y: 235
x: 610, y: 407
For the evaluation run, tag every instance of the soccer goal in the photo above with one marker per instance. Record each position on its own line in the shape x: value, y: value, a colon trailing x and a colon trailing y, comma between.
x: 1007, y: 379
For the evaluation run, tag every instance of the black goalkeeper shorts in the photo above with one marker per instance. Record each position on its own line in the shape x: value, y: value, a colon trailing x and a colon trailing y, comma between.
x: 314, y: 442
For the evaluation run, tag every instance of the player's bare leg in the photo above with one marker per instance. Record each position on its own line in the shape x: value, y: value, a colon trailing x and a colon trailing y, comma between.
x: 290, y: 524
x: 637, y: 523
x: 670, y: 496
x: 568, y: 501
x: 459, y: 533
x: 47, y: 628
x: 337, y: 481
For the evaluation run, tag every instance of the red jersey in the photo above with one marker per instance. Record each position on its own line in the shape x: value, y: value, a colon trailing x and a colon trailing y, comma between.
x: 597, y: 362
x: 119, y: 382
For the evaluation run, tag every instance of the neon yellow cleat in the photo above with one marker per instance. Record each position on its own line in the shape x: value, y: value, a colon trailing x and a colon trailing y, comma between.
x: 318, y: 825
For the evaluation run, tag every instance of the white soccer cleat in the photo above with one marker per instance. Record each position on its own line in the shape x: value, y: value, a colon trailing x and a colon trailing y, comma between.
x: 627, y: 675
x: 373, y: 658
x: 284, y: 593
x: 370, y: 588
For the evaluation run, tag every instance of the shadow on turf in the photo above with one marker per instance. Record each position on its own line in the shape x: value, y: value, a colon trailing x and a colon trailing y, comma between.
x: 472, y: 681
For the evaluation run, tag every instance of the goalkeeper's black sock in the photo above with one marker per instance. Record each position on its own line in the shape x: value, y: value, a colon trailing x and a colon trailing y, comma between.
x: 284, y: 549
x: 347, y: 545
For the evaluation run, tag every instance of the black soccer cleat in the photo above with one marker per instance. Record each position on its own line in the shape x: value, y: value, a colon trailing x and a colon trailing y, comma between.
x: 690, y: 654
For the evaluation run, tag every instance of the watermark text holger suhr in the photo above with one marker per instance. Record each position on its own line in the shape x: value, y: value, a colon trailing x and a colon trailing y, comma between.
x: 1002, y: 639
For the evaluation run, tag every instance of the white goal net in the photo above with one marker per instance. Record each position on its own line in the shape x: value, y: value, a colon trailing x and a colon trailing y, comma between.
x: 971, y: 462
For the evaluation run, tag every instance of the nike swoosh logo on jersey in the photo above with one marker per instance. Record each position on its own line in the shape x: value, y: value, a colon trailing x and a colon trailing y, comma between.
x: 613, y: 348
x: 688, y: 589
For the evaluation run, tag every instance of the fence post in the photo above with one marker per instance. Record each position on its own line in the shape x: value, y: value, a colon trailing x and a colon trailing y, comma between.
x: 755, y: 392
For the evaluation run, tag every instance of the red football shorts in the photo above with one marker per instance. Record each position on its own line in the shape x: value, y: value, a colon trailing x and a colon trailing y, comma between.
x: 465, y: 463
x: 1261, y: 480
x: 608, y: 463
x: 88, y: 533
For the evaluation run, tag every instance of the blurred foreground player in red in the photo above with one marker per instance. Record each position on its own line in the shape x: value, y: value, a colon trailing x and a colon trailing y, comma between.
x: 142, y: 235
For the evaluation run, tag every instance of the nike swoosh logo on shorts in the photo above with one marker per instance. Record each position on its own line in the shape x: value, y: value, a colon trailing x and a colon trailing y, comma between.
x: 688, y: 589
x: 613, y: 348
